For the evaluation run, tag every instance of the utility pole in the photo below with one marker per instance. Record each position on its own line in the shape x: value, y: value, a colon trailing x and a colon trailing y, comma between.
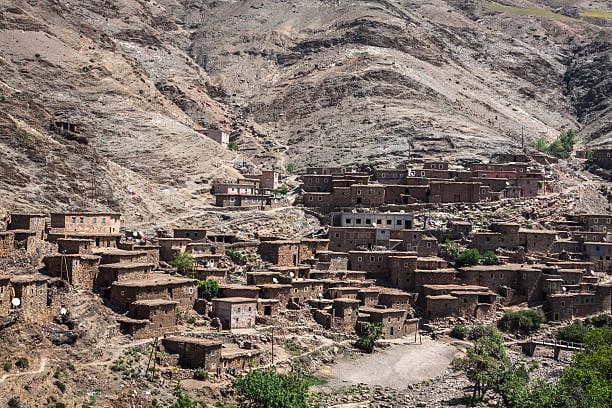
x: 272, y: 345
x: 522, y: 138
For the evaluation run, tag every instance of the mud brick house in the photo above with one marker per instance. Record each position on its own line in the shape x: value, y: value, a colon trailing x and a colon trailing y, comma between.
x: 87, y: 222
x: 579, y: 303
x: 516, y: 282
x: 602, y: 157
x: 151, y: 250
x: 395, y: 299
x: 431, y: 262
x: 344, y: 239
x: 260, y: 278
x: 218, y: 136
x: 327, y: 170
x: 402, y: 271
x: 235, y: 359
x: 304, y: 289
x: 5, y: 295
x: 268, y: 307
x: 269, y: 179
x: 120, y: 256
x: 600, y: 254
x: 29, y: 222
x: 391, y: 319
x: 233, y: 290
x: 537, y: 240
x: 242, y: 187
x: 183, y: 290
x: 31, y: 290
x: 281, y: 252
x: 169, y: 247
x: 368, y: 297
x: 346, y: 292
x: 310, y: 247
x: 458, y: 300
x: 149, y: 318
x: 391, y: 176
x: 235, y: 312
x: 422, y: 277
x: 194, y: 234
x: 217, y: 274
x: 369, y: 195
x: 300, y: 271
x: 454, y: 192
x: 376, y: 264
x: 7, y: 242
x: 81, y: 271
x: 317, y: 183
x: 417, y: 241
x: 344, y: 313
x: 75, y: 246
x: 593, y: 222
x: 120, y: 272
x: 282, y: 292
x: 194, y: 352
x: 244, y: 200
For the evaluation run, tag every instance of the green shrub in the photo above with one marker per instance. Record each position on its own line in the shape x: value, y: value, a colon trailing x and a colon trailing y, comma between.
x: 451, y: 248
x: 600, y: 320
x: 22, y: 362
x: 524, y: 321
x: 482, y: 330
x: 233, y: 146
x: 469, y: 257
x: 191, y: 320
x: 14, y: 403
x: 208, y: 289
x: 183, y: 262
x: 489, y: 258
x: 7, y: 366
x: 236, y: 256
x: 283, y: 190
x: 561, y: 147
x: 60, y: 385
x: 269, y: 389
x: 59, y: 405
x: 574, y: 332
x: 459, y: 332
x: 371, y: 333
x: 200, y: 374
x: 291, y: 168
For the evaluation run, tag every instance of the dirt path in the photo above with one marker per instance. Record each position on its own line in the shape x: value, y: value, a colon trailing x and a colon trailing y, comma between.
x: 41, y: 368
x: 396, y: 367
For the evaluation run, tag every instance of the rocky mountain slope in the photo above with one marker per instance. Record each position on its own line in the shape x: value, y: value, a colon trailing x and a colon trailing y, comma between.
x: 307, y: 82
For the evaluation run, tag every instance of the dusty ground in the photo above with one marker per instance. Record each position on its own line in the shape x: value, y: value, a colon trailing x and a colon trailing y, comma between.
x: 396, y: 366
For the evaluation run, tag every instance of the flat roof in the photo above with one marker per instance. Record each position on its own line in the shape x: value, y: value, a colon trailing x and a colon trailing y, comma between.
x: 194, y: 340
x: 87, y: 213
x: 28, y: 278
x: 504, y: 267
x: 346, y: 300
x: 239, y: 287
x: 375, y: 310
x: 273, y: 286
x: 155, y: 302
x: 440, y: 297
x: 441, y: 270
x: 161, y: 280
x: 131, y: 265
x: 115, y: 251
x: 235, y: 300
x: 457, y: 287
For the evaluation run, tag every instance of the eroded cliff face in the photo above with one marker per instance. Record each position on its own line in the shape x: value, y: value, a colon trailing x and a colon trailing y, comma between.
x: 307, y: 82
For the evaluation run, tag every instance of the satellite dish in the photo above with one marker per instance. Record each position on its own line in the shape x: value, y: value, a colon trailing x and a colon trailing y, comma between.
x: 63, y: 311
x: 16, y: 302
x: 274, y: 280
x: 291, y: 274
x: 564, y: 289
x: 134, y: 234
x: 592, y: 272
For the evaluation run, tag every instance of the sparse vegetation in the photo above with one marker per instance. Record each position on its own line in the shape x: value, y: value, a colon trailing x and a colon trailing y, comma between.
x: 200, y: 374
x: 60, y: 385
x: 208, y: 289
x: 459, y: 332
x: 183, y: 262
x: 523, y: 321
x: 282, y: 190
x: 233, y: 146
x: 293, y: 348
x: 291, y: 168
x: 236, y: 256
x: 7, y: 366
x: 561, y: 147
x: 371, y: 333
x: 469, y: 257
x: 14, y: 403
x: 23, y: 363
x: 489, y: 258
x: 184, y: 400
x: 451, y: 249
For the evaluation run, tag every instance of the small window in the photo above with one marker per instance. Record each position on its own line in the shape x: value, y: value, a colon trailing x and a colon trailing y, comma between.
x: 337, y: 235
x: 372, y: 259
x: 81, y: 220
x: 358, y: 221
x: 349, y: 220
x: 359, y: 259
x: 94, y: 220
x: 74, y: 220
x: 103, y: 220
x: 562, y: 304
x: 388, y: 222
x: 379, y: 221
x: 368, y: 221
x: 398, y: 222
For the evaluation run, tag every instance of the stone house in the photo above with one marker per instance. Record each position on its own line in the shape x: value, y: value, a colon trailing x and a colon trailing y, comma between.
x: 391, y: 319
x: 396, y: 221
x: 370, y: 195
x: 344, y: 239
x: 317, y: 183
x: 268, y: 307
x: 282, y: 292
x: 346, y: 292
x: 195, y: 352
x: 218, y: 136
x: 169, y: 247
x: 31, y: 290
x: 120, y: 272
x: 149, y: 318
x: 194, y: 234
x: 235, y: 360
x: 7, y: 242
x: 454, y: 192
x: 75, y: 246
x: 236, y: 290
x: 29, y: 222
x: 368, y: 297
x: 235, y: 312
x: 602, y: 157
x: 168, y: 287
x: 395, y: 299
x: 390, y: 176
x: 344, y: 314
x: 600, y: 254
x: 121, y: 256
x: 81, y: 271
x: 281, y: 252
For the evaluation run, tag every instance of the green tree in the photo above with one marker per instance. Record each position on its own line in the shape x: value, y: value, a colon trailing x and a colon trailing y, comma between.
x: 459, y: 332
x: 371, y: 332
x: 208, y: 289
x: 269, y: 389
x: 524, y: 321
x: 183, y: 262
x: 236, y: 256
x: 232, y: 146
x: 291, y: 168
x: 184, y: 400
x: 469, y: 257
x: 451, y: 248
x: 576, y: 331
x: 485, y: 364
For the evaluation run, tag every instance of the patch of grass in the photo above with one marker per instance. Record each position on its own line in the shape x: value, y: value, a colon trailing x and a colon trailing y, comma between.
x: 530, y: 11
x: 22, y: 362
x: 596, y: 13
x: 7, y: 366
x: 312, y: 380
x: 293, y: 348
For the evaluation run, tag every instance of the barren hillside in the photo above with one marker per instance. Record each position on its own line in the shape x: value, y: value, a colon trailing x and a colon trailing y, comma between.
x: 293, y: 81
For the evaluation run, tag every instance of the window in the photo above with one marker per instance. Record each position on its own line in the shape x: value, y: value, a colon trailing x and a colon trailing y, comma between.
x: 337, y: 235
x: 368, y: 221
x: 103, y: 220
x: 359, y: 259
x: 358, y: 192
x: 74, y: 220
x: 358, y: 221
x: 379, y: 221
x: 388, y: 222
x: 94, y: 220
x: 81, y: 220
x: 398, y: 222
x: 349, y: 220
x: 372, y: 259
x: 562, y: 304
x: 310, y: 198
